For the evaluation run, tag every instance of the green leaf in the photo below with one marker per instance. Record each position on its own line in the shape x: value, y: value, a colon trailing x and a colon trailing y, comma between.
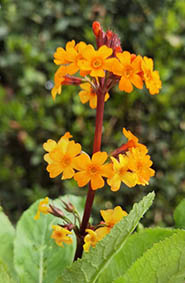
x: 134, y: 248
x: 163, y: 263
x: 93, y: 263
x: 179, y: 215
x: 37, y: 257
x: 7, y: 235
x: 4, y: 275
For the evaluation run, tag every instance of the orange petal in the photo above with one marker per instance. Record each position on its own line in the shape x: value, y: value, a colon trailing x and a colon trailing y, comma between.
x: 97, y: 73
x: 88, y: 52
x: 81, y: 162
x: 47, y: 158
x: 115, y: 183
x: 49, y: 145
x: 130, y: 179
x: 68, y: 173
x: 99, y: 157
x: 97, y: 182
x: 125, y: 57
x: 137, y: 81
x: 82, y: 178
x: 110, y: 64
x: 84, y: 96
x: 125, y: 84
x: 54, y: 169
x: 93, y: 101
x: 74, y: 148
x: 104, y: 51
x: 84, y: 65
x: 107, y: 170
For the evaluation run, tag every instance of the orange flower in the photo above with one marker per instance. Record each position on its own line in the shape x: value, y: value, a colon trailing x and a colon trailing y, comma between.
x: 113, y: 216
x: 88, y: 94
x: 61, y: 156
x: 152, y: 79
x: 58, y: 79
x: 92, y: 238
x: 95, y: 60
x: 129, y: 70
x: 42, y: 208
x: 135, y: 141
x: 51, y: 145
x: 70, y: 56
x: 121, y: 174
x: 92, y: 170
x: 139, y: 163
x: 60, y: 235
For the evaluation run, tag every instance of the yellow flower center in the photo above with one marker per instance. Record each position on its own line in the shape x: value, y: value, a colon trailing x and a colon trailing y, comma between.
x: 97, y: 62
x: 58, y: 234
x: 148, y: 75
x: 66, y: 160
x: 93, y: 169
x: 128, y: 71
x: 122, y: 171
x: 139, y: 165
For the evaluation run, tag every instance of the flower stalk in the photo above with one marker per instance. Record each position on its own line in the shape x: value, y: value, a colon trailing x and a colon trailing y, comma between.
x: 91, y: 193
x: 99, y: 70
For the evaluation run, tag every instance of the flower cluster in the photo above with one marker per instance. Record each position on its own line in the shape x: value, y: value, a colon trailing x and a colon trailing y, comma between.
x: 108, y: 64
x: 61, y: 233
x: 110, y: 217
x: 96, y: 71
x: 129, y: 164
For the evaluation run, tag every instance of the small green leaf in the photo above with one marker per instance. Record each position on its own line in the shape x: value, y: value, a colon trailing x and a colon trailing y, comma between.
x: 179, y: 215
x: 134, y: 248
x: 163, y: 263
x: 93, y: 263
x: 4, y: 275
x: 7, y: 235
x: 37, y: 257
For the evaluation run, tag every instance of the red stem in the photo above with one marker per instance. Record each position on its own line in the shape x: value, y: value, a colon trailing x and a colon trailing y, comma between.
x: 91, y: 193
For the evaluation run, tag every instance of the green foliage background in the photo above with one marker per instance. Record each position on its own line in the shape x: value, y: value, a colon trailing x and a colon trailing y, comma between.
x: 30, y: 31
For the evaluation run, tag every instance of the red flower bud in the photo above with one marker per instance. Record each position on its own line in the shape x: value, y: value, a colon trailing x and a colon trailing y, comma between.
x: 96, y: 28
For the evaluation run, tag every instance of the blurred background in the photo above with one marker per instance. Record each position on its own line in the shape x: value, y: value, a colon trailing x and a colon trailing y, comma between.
x: 30, y: 32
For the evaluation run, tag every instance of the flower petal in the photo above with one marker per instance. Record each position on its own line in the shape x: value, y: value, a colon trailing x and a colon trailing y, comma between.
x: 49, y: 145
x: 82, y: 178
x: 97, y: 182
x: 104, y: 51
x: 54, y: 169
x: 68, y: 173
x: 99, y: 157
x: 80, y: 162
x: 125, y: 84
x: 74, y: 148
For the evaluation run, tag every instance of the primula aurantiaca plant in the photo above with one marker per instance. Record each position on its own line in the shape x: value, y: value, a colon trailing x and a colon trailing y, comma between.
x: 96, y: 71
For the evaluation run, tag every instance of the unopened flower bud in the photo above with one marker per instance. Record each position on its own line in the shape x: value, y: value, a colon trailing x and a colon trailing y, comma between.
x: 56, y: 211
x: 68, y: 206
x: 96, y: 28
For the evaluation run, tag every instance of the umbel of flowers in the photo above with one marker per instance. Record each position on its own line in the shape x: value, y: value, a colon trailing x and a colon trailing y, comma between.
x: 96, y: 71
